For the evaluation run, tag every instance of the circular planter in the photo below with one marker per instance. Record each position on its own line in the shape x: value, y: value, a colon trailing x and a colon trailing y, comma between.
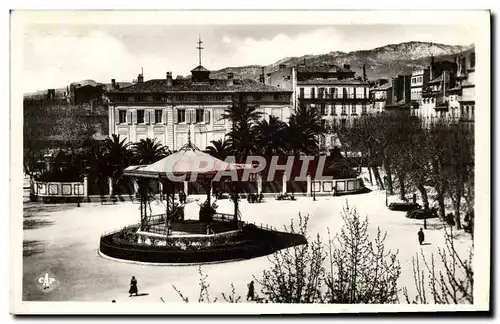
x: 247, y: 243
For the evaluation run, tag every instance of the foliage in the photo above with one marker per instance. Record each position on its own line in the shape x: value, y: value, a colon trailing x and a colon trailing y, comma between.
x: 295, y: 275
x: 243, y: 118
x: 439, y: 155
x: 147, y: 151
x: 304, y: 131
x: 271, y: 136
x: 357, y: 270
x: 204, y: 295
x: 361, y: 271
x: 453, y: 285
x: 219, y: 149
x: 117, y: 155
x: 207, y: 210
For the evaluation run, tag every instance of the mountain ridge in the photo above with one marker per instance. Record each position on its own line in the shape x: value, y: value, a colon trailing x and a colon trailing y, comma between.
x: 383, y: 62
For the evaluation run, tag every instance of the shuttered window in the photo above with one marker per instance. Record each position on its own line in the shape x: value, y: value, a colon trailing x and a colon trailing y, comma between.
x: 158, y: 116
x: 181, y: 115
x: 140, y: 116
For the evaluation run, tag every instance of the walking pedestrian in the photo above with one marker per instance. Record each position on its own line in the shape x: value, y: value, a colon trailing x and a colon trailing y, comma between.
x: 251, y: 291
x: 421, y: 236
x: 414, y: 198
x: 133, y: 287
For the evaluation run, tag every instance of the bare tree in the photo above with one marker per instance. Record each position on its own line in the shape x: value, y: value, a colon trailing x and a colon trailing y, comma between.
x: 452, y: 283
x: 361, y: 271
x: 295, y: 274
x: 204, y: 295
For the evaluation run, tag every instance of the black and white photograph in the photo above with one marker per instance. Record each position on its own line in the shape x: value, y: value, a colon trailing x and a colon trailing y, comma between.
x: 319, y: 161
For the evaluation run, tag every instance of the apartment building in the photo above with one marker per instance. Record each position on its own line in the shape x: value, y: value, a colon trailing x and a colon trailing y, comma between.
x: 334, y: 91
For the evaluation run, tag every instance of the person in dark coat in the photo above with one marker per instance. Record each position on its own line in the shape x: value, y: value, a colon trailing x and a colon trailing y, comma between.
x: 421, y: 236
x: 251, y: 291
x: 133, y: 287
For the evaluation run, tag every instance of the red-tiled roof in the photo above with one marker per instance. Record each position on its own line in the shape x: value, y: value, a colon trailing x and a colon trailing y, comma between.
x: 332, y: 82
x: 437, y: 80
x: 199, y: 68
x: 186, y: 85
x: 323, y: 68
x: 382, y: 87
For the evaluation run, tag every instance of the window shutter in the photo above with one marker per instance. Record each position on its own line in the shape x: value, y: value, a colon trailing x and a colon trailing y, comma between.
x: 134, y: 117
x: 187, y: 116
x: 190, y: 116
x: 164, y: 116
x: 117, y: 116
x: 146, y: 116
x: 129, y: 117
x: 207, y: 116
x: 176, y: 116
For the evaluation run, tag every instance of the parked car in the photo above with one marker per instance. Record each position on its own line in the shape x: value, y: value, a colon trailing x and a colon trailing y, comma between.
x: 420, y: 214
x: 403, y: 206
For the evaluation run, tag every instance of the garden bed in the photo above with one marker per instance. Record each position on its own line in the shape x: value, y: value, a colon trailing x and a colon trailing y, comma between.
x: 249, y: 242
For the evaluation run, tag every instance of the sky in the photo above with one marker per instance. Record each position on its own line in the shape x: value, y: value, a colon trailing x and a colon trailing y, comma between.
x: 55, y: 55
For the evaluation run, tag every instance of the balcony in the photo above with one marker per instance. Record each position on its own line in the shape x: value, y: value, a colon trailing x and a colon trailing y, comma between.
x: 330, y: 96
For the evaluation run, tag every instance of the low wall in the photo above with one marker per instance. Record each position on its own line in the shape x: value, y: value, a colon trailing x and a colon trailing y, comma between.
x: 338, y: 186
x: 248, y: 243
x: 59, y: 191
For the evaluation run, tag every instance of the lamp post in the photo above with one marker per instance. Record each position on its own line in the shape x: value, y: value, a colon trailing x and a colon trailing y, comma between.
x: 313, y: 190
x: 386, y: 193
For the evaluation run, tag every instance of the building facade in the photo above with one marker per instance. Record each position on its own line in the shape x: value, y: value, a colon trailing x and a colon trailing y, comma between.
x: 466, y: 83
x: 381, y: 95
x: 339, y: 97
x: 169, y: 109
x: 419, y: 78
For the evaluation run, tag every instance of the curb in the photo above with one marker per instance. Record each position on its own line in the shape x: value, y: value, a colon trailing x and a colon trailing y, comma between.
x: 104, y: 256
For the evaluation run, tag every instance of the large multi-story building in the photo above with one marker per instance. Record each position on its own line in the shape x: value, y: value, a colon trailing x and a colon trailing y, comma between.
x: 169, y: 109
x: 466, y: 82
x: 419, y: 78
x: 380, y: 95
x: 334, y: 91
x: 440, y: 92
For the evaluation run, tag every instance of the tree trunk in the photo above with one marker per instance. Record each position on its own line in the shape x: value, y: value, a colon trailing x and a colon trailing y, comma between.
x: 370, y: 174
x: 440, y: 200
x: 402, y: 191
x: 388, y: 173
x: 423, y: 192
x: 457, y: 208
x: 377, y: 177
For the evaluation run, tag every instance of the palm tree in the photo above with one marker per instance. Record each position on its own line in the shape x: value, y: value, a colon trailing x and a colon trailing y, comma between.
x: 97, y: 164
x: 271, y: 137
x: 242, y: 137
x: 117, y: 156
x: 148, y: 151
x: 304, y: 131
x: 219, y: 149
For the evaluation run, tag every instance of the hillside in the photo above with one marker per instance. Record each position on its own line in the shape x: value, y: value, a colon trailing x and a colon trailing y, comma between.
x: 381, y: 62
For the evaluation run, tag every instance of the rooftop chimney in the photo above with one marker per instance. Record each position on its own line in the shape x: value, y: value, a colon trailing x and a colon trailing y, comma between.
x: 169, y: 79
x: 431, y: 76
x: 140, y: 78
x: 262, y: 77
x: 113, y: 84
x: 230, y: 78
x: 364, y: 72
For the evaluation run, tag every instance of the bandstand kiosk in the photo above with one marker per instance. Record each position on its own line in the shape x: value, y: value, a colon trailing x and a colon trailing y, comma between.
x: 187, y: 164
